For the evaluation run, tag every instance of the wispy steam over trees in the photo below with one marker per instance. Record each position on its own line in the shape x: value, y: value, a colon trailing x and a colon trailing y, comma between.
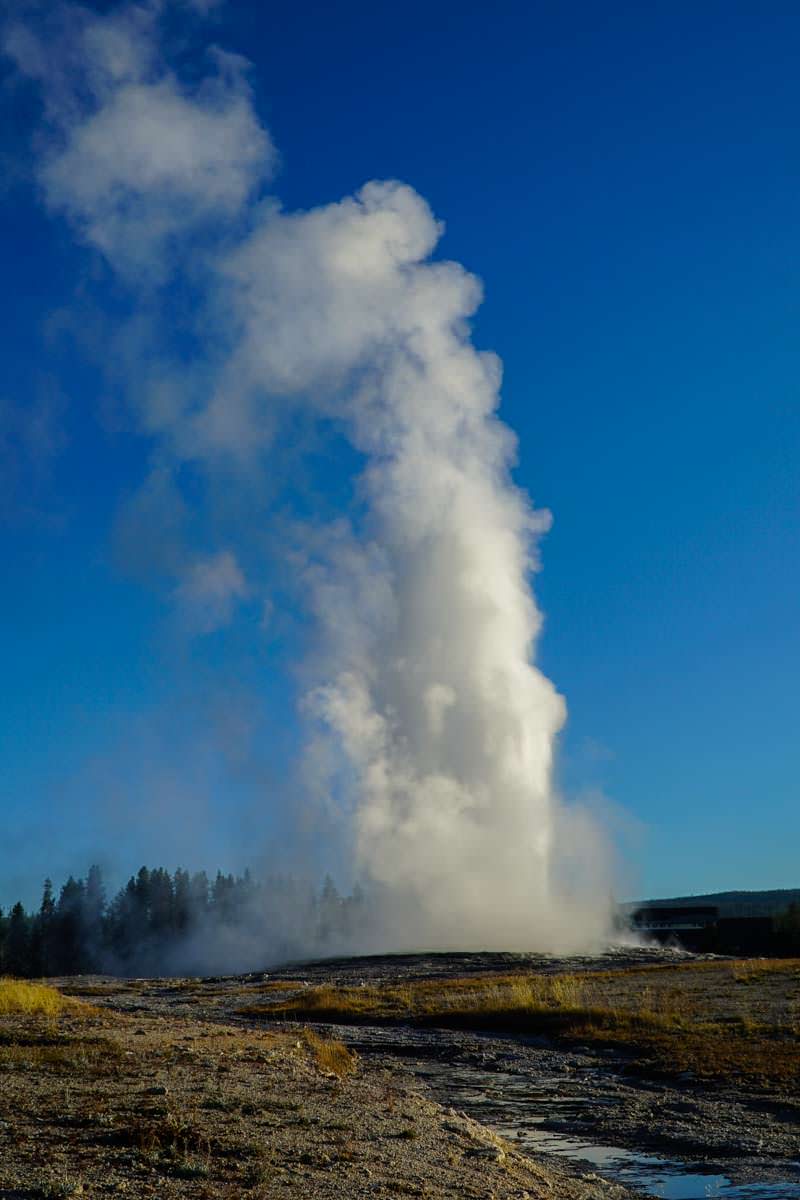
x: 162, y: 923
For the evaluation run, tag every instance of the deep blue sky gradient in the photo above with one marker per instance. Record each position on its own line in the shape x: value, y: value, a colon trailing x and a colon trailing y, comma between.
x: 625, y: 179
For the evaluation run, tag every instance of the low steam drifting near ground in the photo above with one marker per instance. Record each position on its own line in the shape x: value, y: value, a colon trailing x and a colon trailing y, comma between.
x: 249, y: 342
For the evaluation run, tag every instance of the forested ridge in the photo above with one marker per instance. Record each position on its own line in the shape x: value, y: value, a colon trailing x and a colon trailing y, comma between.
x: 157, y: 916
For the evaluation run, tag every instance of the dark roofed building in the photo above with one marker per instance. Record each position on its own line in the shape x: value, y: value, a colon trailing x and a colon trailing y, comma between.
x: 721, y: 922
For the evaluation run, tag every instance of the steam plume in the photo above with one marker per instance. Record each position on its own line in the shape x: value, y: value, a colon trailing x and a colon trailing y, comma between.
x: 432, y: 731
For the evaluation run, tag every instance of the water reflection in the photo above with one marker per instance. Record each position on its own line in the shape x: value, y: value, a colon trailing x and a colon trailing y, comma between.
x: 516, y: 1107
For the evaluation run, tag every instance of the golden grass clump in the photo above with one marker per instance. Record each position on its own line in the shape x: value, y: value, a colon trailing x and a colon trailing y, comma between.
x: 21, y: 997
x: 330, y: 1054
x: 756, y: 970
x: 171, y: 1132
x: 484, y: 998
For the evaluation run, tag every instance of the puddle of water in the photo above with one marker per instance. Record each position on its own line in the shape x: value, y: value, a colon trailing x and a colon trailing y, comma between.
x: 658, y: 1176
x: 516, y: 1107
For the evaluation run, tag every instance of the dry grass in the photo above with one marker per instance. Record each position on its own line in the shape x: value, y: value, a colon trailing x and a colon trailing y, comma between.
x: 171, y: 1134
x: 56, y: 1184
x: 755, y: 970
x: 329, y: 1054
x: 173, y: 1103
x: 281, y: 985
x: 43, y: 1030
x: 98, y: 1056
x: 662, y: 1022
x: 740, y: 969
x: 428, y: 999
x: 20, y: 997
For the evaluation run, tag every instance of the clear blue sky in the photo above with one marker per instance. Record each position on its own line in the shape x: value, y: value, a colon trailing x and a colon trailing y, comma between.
x: 625, y: 179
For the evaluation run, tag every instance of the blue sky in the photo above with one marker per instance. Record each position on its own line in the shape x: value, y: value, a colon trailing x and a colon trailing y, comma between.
x: 625, y: 181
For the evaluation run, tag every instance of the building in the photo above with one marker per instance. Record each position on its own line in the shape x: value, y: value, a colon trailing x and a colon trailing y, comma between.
x: 720, y: 922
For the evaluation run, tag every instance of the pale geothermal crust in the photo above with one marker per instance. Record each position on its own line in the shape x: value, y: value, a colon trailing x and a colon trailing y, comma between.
x: 150, y: 1105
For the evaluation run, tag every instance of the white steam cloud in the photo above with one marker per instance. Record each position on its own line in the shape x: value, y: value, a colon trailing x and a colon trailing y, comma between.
x: 210, y: 592
x: 433, y: 732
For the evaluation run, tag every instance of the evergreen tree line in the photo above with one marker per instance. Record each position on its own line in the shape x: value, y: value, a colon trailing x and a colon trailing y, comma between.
x: 786, y: 932
x: 146, y: 925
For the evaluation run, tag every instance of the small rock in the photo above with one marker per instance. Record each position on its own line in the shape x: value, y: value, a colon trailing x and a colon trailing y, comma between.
x: 491, y: 1153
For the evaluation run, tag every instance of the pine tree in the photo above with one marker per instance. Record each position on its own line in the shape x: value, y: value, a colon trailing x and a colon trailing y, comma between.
x: 94, y: 908
x: 182, y: 900
x: 69, y: 929
x: 162, y: 904
x: 222, y: 897
x: 17, y: 948
x: 329, y: 910
x: 3, y: 936
x: 199, y: 895
x: 42, y: 934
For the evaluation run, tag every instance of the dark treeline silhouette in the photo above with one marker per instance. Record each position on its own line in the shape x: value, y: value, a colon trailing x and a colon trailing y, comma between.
x: 785, y: 939
x: 162, y: 922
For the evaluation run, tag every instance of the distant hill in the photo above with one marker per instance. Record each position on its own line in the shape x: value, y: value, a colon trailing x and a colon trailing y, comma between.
x: 729, y: 904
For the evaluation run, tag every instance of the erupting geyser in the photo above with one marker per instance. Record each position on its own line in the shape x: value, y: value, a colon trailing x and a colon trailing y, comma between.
x: 445, y: 724
x: 429, y: 720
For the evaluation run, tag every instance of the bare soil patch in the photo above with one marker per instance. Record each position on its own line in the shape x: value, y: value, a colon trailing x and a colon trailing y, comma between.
x: 667, y: 1072
x: 95, y: 1103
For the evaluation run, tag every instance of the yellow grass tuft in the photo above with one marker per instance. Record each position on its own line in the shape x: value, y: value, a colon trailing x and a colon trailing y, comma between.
x: 330, y: 1054
x: 755, y: 970
x: 485, y: 997
x: 19, y: 996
